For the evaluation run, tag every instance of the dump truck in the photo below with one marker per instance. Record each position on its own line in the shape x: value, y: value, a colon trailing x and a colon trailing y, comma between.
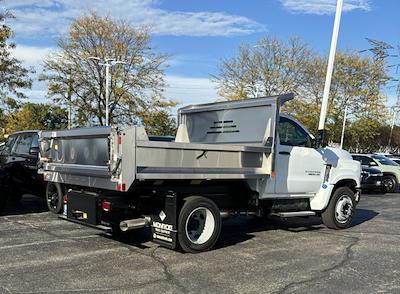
x: 227, y: 159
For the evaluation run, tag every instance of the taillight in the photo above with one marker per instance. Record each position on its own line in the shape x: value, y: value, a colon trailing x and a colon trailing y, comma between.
x: 65, y: 199
x: 121, y: 187
x: 106, y: 206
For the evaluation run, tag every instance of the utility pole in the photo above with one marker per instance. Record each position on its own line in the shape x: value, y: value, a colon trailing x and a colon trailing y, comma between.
x: 69, y: 98
x: 343, y: 127
x: 329, y: 71
x: 107, y: 63
x: 392, y: 127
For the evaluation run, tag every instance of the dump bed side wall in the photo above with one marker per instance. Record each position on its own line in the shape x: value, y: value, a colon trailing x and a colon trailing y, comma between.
x: 250, y: 122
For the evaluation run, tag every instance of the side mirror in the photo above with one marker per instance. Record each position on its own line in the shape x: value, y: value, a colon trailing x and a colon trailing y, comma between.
x: 34, y: 151
x: 373, y: 163
x: 321, y: 139
x: 314, y: 143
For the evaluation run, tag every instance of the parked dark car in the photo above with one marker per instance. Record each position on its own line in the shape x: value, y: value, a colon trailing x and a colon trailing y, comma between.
x: 371, y: 180
x: 18, y: 172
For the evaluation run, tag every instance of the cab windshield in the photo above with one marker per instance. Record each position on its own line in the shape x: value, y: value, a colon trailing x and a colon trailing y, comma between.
x: 384, y: 160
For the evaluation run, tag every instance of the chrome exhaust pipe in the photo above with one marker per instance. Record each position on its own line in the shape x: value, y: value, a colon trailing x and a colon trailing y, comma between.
x: 133, y: 224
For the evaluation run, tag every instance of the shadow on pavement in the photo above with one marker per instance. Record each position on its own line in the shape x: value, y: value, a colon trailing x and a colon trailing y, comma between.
x: 363, y: 215
x: 28, y: 204
x: 235, y: 230
x: 241, y: 229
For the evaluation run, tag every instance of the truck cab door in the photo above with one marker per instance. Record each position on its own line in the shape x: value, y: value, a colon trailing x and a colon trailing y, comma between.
x: 23, y: 164
x: 298, y: 166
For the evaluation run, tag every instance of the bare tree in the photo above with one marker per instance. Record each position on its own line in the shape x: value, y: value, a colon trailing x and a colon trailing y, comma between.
x: 137, y: 86
x: 269, y: 68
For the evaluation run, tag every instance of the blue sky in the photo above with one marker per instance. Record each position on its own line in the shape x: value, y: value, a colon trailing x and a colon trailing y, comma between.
x: 197, y: 34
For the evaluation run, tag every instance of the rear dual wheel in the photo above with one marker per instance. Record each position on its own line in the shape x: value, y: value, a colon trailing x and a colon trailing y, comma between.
x: 199, y: 224
x: 55, y: 197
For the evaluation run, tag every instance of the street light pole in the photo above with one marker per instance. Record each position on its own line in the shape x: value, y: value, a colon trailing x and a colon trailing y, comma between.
x: 343, y: 127
x: 329, y: 71
x: 108, y: 62
x: 392, y: 127
x: 69, y: 97
x: 107, y: 65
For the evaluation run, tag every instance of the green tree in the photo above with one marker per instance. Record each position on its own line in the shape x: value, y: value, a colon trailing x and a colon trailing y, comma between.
x: 160, y: 123
x: 353, y: 85
x: 137, y: 86
x: 33, y: 116
x: 273, y: 67
x: 13, y: 76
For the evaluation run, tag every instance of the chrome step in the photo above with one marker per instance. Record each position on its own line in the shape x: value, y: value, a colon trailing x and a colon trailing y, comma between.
x: 293, y: 213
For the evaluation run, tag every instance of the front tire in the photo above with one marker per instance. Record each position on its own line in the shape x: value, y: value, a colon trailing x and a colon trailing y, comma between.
x: 390, y: 183
x: 54, y: 197
x: 199, y: 224
x: 341, y: 208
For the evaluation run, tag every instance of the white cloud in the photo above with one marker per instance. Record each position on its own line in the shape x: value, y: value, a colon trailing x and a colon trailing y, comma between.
x: 187, y: 90
x: 52, y: 17
x: 323, y: 6
x: 31, y: 55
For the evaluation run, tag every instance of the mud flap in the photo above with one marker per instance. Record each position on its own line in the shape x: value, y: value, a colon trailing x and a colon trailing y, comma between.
x: 164, y: 224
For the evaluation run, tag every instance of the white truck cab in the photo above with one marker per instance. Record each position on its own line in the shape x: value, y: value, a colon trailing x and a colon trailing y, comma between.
x: 302, y: 169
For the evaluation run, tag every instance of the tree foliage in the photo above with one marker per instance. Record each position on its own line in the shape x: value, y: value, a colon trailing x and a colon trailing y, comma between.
x: 137, y: 86
x: 273, y: 67
x: 13, y: 76
x: 269, y: 68
x: 34, y: 116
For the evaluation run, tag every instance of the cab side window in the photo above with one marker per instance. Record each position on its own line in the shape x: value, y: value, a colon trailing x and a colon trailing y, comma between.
x: 35, y: 141
x: 23, y: 144
x: 291, y: 134
x: 9, y: 145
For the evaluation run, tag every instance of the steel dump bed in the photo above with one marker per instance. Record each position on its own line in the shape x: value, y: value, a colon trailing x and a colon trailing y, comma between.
x: 224, y: 140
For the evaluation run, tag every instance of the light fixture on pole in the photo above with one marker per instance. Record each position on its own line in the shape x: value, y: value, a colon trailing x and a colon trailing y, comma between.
x: 329, y: 71
x: 108, y: 62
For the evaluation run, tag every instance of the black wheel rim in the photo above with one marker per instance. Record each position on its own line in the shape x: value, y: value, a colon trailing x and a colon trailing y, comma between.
x: 52, y: 197
x: 389, y: 184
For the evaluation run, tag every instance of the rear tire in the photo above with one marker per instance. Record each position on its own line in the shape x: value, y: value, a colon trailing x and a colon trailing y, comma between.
x: 54, y: 197
x: 199, y: 224
x: 390, y: 183
x: 341, y: 208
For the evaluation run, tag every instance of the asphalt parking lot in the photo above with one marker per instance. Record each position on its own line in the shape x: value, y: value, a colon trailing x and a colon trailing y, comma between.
x: 40, y: 253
